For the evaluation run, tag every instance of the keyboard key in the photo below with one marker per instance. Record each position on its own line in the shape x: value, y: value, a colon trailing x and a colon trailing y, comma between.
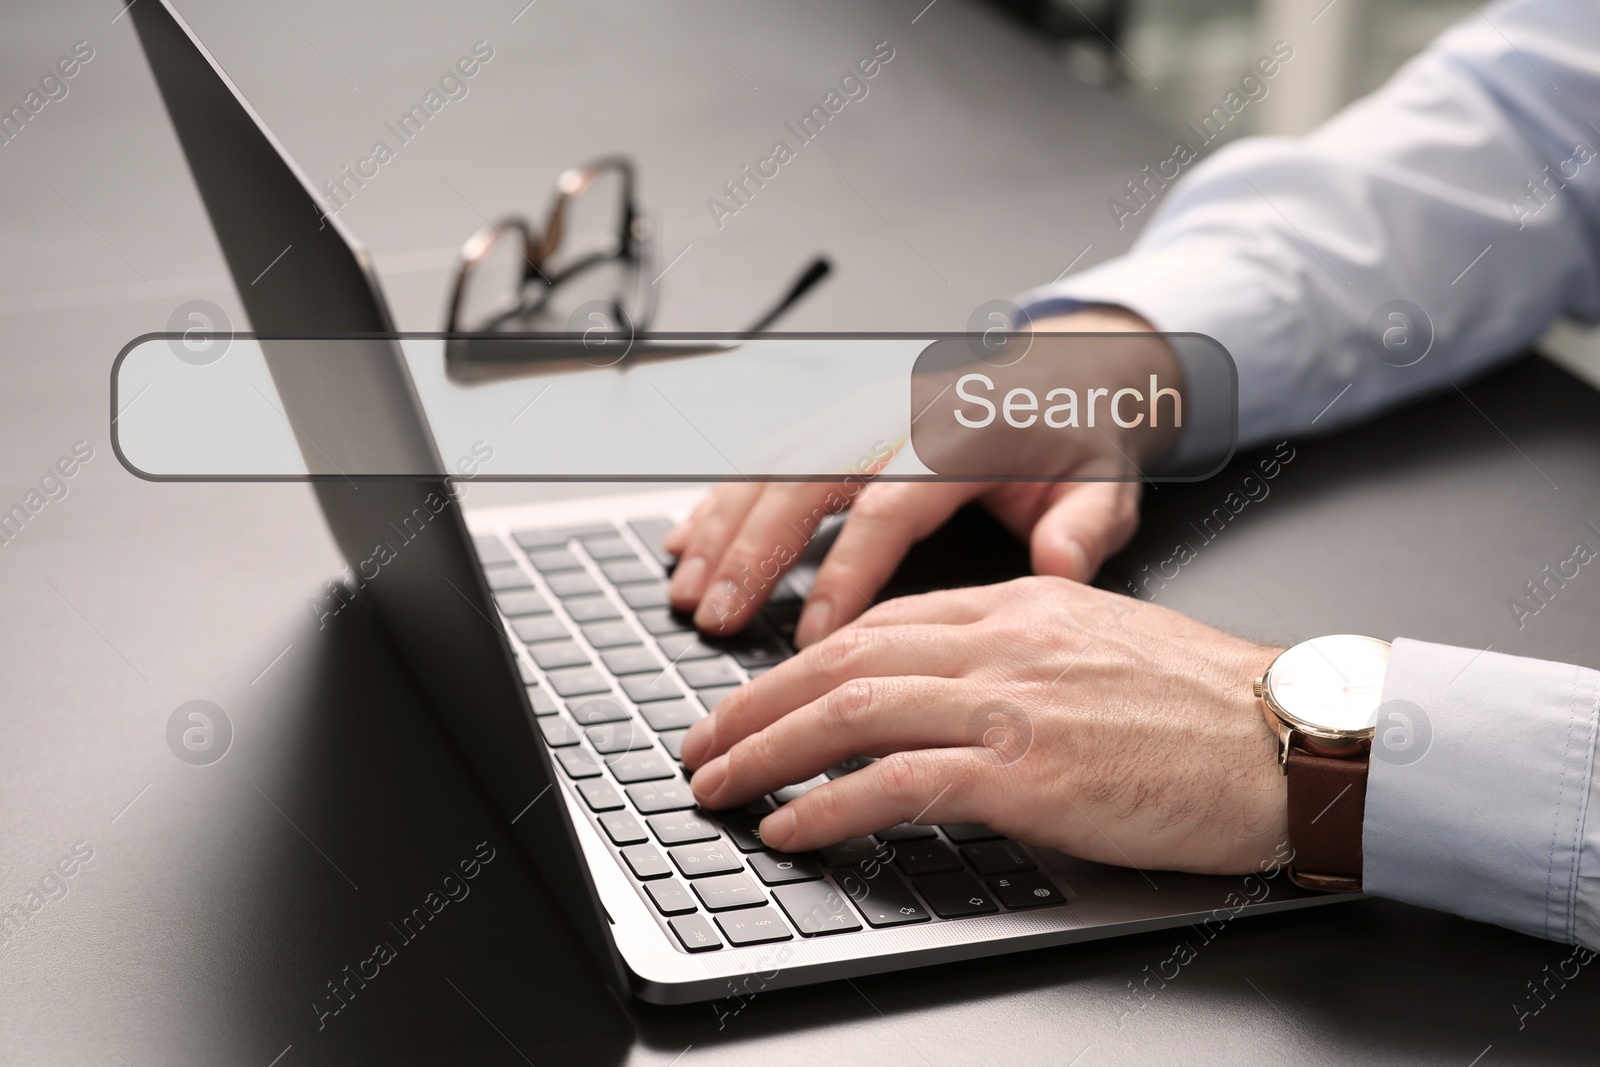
x: 642, y: 595
x: 600, y: 795
x: 712, y: 697
x: 952, y: 896
x: 578, y: 762
x: 672, y: 741
x: 543, y: 703
x: 1030, y: 889
x: 705, y: 674
x: 531, y: 539
x: 650, y: 532
x: 851, y: 851
x: 882, y: 899
x: 645, y: 862
x: 610, y: 634
x: 506, y: 577
x: 816, y: 908
x: 643, y: 688
x: 635, y: 659
x: 558, y: 733
x: 682, y: 828
x: 623, y: 828
x: 491, y: 550
x: 630, y: 767
x: 998, y: 857
x: 623, y: 571
x: 653, y: 797
x: 609, y: 547
x: 925, y: 857
x: 695, y: 932
x: 669, y: 896
x: 671, y: 714
x: 578, y: 681
x: 753, y: 926
x: 532, y: 629
x: 787, y: 593
x: 782, y: 618
x: 799, y: 789
x: 591, y: 609
x: 572, y: 583
x: 553, y: 654
x: 745, y: 832
x: 551, y: 560
x: 711, y: 857
x: 728, y: 891
x: 906, y: 831
x: 762, y: 653
x: 555, y: 537
x: 850, y: 766
x: 622, y: 736
x: 525, y: 671
x: 965, y: 832
x: 522, y: 602
x: 589, y: 712
x: 659, y: 621
x: 778, y: 868
x: 682, y: 648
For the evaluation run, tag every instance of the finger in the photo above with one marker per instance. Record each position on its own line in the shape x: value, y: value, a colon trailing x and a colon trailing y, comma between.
x: 676, y: 539
x: 939, y: 785
x: 770, y: 537
x: 863, y: 717
x: 849, y: 654
x: 950, y: 607
x: 714, y: 523
x: 1088, y: 524
x: 885, y: 521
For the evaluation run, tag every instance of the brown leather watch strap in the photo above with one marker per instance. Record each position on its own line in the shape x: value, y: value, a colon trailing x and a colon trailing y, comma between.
x: 1327, y: 806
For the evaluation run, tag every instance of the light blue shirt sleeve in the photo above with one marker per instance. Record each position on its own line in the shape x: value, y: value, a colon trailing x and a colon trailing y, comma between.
x: 1468, y: 186
x: 1480, y: 796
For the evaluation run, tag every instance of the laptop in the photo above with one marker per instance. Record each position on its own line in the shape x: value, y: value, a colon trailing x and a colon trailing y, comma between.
x: 542, y: 636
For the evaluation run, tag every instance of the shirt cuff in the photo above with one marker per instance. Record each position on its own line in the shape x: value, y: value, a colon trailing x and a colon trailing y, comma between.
x: 1194, y: 288
x: 1481, y: 774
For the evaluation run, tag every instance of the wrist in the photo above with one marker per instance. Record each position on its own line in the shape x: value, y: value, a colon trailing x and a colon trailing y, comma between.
x: 1260, y: 812
x: 1135, y: 364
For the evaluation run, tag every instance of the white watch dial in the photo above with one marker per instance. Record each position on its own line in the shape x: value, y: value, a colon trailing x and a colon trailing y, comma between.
x: 1331, y: 685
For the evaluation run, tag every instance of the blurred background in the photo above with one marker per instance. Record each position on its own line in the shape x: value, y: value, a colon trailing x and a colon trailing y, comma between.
x: 1169, y: 54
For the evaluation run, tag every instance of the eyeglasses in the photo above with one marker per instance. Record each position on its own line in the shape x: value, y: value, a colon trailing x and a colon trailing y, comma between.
x: 586, y: 273
x: 586, y: 269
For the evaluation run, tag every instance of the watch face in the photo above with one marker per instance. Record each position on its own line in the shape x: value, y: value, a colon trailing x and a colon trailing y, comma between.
x: 1331, y: 686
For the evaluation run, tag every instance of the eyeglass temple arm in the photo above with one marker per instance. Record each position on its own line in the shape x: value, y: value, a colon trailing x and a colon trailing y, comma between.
x: 819, y: 269
x: 573, y: 184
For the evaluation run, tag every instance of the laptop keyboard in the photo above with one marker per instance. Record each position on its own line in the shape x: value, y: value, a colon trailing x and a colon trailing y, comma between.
x: 614, y: 680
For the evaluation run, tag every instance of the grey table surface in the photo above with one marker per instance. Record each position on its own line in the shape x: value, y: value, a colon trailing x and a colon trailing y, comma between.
x: 220, y: 900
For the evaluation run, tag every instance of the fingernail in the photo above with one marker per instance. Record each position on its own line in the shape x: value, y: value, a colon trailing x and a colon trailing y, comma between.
x: 697, y: 742
x: 719, y: 607
x: 1079, y: 557
x: 688, y: 580
x: 814, y: 621
x: 708, y: 779
x: 778, y: 828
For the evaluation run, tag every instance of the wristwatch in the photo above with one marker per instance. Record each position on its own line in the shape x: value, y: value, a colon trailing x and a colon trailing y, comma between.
x: 1321, y: 698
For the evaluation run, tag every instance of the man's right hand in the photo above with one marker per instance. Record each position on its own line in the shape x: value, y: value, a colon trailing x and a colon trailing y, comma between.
x: 738, y: 541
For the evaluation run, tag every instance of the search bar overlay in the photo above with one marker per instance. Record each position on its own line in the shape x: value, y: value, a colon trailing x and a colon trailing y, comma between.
x: 675, y: 407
